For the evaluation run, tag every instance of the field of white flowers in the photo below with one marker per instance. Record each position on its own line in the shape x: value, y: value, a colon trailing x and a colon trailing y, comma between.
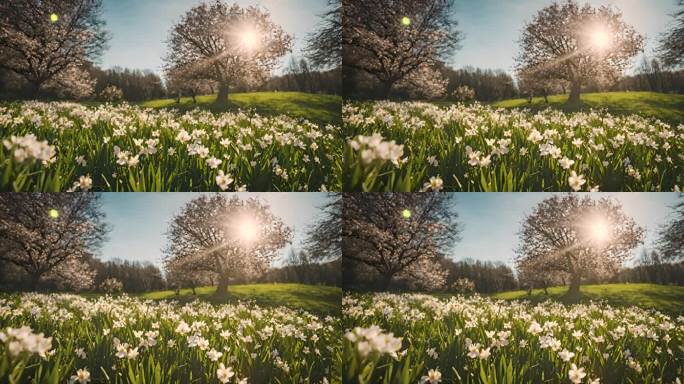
x: 412, y: 338
x: 66, y: 146
x: 60, y: 338
x: 413, y: 146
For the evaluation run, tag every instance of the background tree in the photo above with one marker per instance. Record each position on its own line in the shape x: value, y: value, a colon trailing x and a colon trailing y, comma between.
x: 399, y: 42
x: 185, y: 81
x: 578, y: 44
x: 671, y: 241
x: 324, y: 237
x: 671, y: 48
x: 228, y: 236
x: 227, y: 44
x: 578, y: 236
x: 49, y: 42
x: 400, y: 235
x: 324, y: 46
x: 51, y: 235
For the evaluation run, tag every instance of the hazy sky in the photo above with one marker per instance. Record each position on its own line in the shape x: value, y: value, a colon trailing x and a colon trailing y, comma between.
x: 491, y: 220
x: 139, y: 220
x: 492, y: 27
x: 139, y: 28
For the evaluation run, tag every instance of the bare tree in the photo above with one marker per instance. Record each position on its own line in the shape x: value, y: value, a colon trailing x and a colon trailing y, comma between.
x: 400, y: 235
x: 51, y: 235
x: 671, y: 48
x: 230, y: 237
x: 577, y: 236
x: 324, y: 46
x: 399, y: 42
x: 671, y: 241
x: 48, y: 42
x: 323, y: 242
x: 578, y: 44
x: 227, y: 44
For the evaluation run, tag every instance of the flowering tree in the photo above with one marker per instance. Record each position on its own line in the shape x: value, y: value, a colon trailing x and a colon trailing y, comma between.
x: 671, y: 47
x: 399, y: 42
x: 51, y: 235
x: 577, y: 236
x: 324, y: 47
x: 230, y: 237
x: 578, y: 44
x: 400, y: 235
x: 325, y: 235
x: 227, y: 44
x: 186, y: 81
x: 48, y: 42
x: 671, y: 242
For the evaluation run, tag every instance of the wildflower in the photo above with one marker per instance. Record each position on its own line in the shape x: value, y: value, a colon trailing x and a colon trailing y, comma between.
x: 214, y: 355
x: 566, y: 163
x: 576, y: 181
x: 82, y: 376
x: 435, y: 184
x: 223, y: 373
x: 223, y: 180
x: 433, y: 377
x: 213, y: 162
x: 565, y: 355
x: 576, y: 374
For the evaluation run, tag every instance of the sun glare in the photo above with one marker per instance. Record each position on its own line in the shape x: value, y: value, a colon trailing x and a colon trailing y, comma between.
x: 600, y: 38
x: 599, y: 230
x: 249, y: 39
x: 247, y: 230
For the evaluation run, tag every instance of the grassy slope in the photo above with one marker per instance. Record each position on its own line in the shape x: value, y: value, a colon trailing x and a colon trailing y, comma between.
x: 313, y: 298
x: 319, y: 108
x: 662, y: 297
x: 667, y: 107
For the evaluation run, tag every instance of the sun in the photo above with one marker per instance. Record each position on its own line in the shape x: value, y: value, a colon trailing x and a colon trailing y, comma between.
x: 249, y: 39
x: 600, y: 38
x: 598, y: 230
x: 247, y: 230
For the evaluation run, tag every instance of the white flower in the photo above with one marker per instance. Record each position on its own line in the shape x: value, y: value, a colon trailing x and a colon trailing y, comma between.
x: 566, y: 355
x: 214, y: 355
x: 82, y: 376
x: 435, y: 184
x: 223, y: 373
x: 213, y: 162
x: 223, y: 180
x: 576, y: 181
x: 433, y: 377
x: 566, y: 163
x: 576, y: 374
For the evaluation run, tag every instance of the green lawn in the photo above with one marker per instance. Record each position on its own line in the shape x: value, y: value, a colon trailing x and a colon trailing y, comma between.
x: 313, y: 298
x: 665, y: 298
x: 320, y: 108
x: 664, y: 106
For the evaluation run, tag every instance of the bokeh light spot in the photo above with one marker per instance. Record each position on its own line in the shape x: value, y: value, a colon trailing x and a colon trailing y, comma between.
x: 54, y: 213
x: 406, y: 21
x: 54, y: 18
x: 406, y: 214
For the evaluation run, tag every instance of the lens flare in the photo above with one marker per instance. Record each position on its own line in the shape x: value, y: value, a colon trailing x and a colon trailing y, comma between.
x: 249, y: 39
x: 600, y: 38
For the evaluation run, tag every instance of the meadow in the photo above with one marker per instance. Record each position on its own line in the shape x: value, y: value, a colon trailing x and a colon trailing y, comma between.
x: 57, y: 338
x: 409, y: 338
x: 61, y: 146
x: 413, y: 146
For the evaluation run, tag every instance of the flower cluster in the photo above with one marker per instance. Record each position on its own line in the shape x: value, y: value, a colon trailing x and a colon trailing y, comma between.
x: 125, y: 147
x: 480, y: 148
x: 461, y: 339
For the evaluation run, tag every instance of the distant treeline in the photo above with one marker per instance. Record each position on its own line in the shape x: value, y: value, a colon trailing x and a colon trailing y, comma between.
x: 491, y: 277
x: 137, y: 277
x: 136, y: 85
x: 489, y: 85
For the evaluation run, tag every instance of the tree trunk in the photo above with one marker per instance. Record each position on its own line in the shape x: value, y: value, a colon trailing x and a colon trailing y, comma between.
x: 35, y: 90
x: 387, y: 88
x: 194, y: 98
x: 222, y: 288
x: 34, y: 281
x: 575, y: 89
x: 386, y: 282
x: 222, y: 97
x: 575, y: 282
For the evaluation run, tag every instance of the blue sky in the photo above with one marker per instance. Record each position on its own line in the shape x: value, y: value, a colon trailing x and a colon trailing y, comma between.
x: 138, y: 221
x: 491, y: 220
x: 139, y: 28
x: 492, y: 27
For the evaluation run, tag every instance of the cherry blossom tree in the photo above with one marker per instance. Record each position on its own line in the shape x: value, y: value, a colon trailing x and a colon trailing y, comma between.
x: 579, y: 44
x: 52, y: 236
x: 671, y: 48
x: 228, y: 236
x: 399, y: 42
x: 49, y: 42
x: 671, y: 241
x: 227, y: 44
x: 578, y: 236
x: 400, y: 235
x: 324, y: 46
